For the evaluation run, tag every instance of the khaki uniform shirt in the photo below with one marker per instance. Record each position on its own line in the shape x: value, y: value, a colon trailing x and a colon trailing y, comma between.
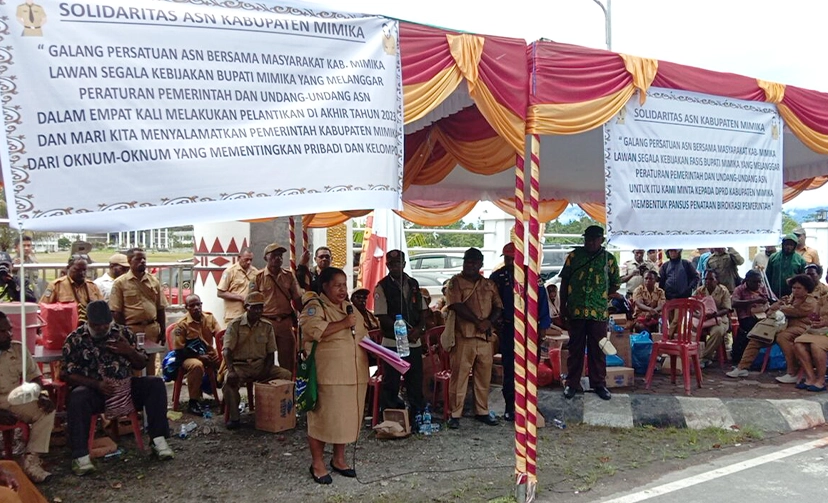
x: 33, y: 17
x: 65, y: 290
x: 726, y: 267
x: 809, y: 254
x: 250, y: 343
x: 821, y: 293
x: 631, y: 266
x: 11, y: 362
x: 648, y: 298
x: 236, y: 280
x: 482, y: 302
x: 188, y: 329
x: 128, y: 297
x: 798, y: 312
x: 720, y: 295
x: 278, y: 291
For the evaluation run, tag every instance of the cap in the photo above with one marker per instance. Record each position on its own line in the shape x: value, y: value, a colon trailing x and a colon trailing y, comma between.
x: 812, y: 266
x: 363, y: 291
x: 119, y: 259
x: 473, y: 254
x: 509, y: 250
x: 5, y: 258
x: 594, y: 231
x: 254, y: 299
x: 799, y: 231
x: 790, y: 237
x: 98, y: 313
x: 394, y: 255
x: 274, y: 247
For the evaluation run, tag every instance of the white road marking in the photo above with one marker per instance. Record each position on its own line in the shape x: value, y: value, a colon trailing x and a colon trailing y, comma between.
x: 719, y: 472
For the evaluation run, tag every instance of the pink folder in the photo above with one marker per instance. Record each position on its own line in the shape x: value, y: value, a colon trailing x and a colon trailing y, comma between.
x: 388, y: 356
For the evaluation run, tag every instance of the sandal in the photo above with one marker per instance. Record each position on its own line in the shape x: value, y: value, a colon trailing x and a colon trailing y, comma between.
x: 815, y: 389
x: 801, y: 385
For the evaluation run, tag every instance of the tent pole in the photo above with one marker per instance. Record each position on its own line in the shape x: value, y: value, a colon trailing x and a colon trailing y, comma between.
x: 519, y: 335
x: 292, y: 231
x: 532, y: 321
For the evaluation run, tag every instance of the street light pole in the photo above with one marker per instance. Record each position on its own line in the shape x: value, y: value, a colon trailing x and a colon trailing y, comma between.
x: 607, y: 10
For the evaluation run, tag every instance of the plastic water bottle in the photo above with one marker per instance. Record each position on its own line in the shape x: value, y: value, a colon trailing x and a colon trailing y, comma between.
x: 425, y: 428
x: 401, y: 334
x: 182, y: 433
x: 557, y: 423
x: 418, y: 422
x: 208, y: 414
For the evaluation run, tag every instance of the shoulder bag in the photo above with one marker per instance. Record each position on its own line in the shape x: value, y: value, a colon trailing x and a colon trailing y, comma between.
x: 448, y: 338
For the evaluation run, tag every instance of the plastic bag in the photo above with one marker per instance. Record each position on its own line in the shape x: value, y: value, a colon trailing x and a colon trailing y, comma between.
x: 614, y: 361
x: 641, y: 346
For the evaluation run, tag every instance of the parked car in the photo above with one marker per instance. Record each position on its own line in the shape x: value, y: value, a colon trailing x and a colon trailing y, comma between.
x: 176, y: 283
x: 436, y: 261
x: 553, y: 261
x: 433, y: 282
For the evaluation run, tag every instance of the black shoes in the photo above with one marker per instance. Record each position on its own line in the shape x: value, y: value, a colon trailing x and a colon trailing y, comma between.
x: 603, y: 393
x: 486, y: 419
x: 195, y: 408
x: 345, y: 472
x: 324, y: 479
x: 509, y: 416
x: 233, y: 424
x: 454, y: 423
x: 569, y: 392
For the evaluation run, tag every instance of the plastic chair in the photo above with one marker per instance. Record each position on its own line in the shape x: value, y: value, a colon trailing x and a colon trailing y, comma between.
x: 442, y: 369
x: 223, y: 404
x: 8, y: 437
x: 179, y: 379
x: 685, y: 341
x: 136, y: 429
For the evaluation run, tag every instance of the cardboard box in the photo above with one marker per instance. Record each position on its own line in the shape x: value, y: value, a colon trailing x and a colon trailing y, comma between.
x: 621, y: 341
x: 398, y: 416
x: 620, y: 377
x: 275, y: 410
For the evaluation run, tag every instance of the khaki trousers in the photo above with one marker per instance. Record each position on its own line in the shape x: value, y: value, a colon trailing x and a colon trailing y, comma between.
x: 785, y: 339
x: 475, y: 355
x: 39, y: 422
x: 715, y: 336
x: 249, y: 372
x: 194, y: 372
x: 285, y: 342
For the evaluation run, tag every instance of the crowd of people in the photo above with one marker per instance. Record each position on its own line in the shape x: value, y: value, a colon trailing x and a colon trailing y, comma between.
x: 278, y: 315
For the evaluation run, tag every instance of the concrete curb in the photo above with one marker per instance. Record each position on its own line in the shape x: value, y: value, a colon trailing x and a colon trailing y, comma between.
x: 627, y: 411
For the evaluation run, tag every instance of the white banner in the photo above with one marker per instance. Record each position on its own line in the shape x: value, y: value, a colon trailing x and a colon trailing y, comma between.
x: 693, y: 170
x: 139, y: 113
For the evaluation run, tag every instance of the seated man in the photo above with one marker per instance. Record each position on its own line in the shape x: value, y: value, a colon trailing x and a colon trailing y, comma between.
x: 249, y: 347
x: 748, y: 299
x: 648, y: 300
x: 98, y: 357
x: 193, y: 335
x: 39, y: 415
x: 715, y: 333
x: 74, y: 287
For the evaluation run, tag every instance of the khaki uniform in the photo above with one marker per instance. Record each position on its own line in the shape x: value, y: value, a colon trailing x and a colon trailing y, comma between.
x: 10, y: 377
x: 251, y: 346
x: 717, y: 332
x: 809, y: 254
x: 341, y: 372
x: 279, y: 291
x: 633, y: 267
x: 188, y: 329
x: 235, y: 280
x: 472, y: 350
x: 65, y: 290
x: 140, y: 301
x: 798, y: 314
x: 33, y: 17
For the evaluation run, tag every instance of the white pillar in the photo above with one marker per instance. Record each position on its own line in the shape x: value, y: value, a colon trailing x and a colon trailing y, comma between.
x: 167, y: 237
x: 216, y: 247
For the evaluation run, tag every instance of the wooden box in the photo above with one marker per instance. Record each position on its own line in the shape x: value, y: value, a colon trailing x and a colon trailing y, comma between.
x: 275, y: 409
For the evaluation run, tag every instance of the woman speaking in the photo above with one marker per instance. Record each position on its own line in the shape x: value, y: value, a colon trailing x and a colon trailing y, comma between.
x: 341, y: 372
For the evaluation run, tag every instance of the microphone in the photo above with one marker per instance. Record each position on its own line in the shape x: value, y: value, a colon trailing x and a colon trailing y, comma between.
x: 349, y: 310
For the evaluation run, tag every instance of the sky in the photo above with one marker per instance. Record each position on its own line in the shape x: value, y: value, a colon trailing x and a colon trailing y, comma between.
x: 778, y: 40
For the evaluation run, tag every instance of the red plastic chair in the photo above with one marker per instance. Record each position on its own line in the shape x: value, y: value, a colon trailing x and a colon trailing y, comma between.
x: 375, y: 381
x: 684, y: 343
x: 136, y: 429
x: 440, y: 362
x: 8, y: 437
x: 223, y: 404
x: 179, y: 380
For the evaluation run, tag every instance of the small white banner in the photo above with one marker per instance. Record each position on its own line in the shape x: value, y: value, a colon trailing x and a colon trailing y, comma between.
x: 141, y: 113
x: 693, y: 170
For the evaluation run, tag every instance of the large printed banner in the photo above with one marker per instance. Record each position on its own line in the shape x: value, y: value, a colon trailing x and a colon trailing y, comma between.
x: 140, y: 113
x: 692, y: 170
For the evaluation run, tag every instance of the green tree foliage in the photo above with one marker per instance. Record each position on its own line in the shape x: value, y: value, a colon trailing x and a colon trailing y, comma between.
x: 572, y: 227
x: 788, y: 224
x: 440, y: 240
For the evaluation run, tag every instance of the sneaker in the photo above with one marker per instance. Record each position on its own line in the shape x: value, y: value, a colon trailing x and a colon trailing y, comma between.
x: 787, y: 379
x: 454, y: 423
x: 33, y: 468
x: 161, y: 449
x: 83, y: 465
x: 737, y: 372
x: 195, y: 407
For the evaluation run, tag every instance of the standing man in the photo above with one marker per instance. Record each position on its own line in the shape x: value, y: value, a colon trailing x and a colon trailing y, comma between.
x: 39, y: 415
x: 809, y: 254
x: 678, y: 278
x: 98, y: 358
x: 235, y: 285
x: 29, y: 258
x: 194, y: 335
x: 589, y: 277
x: 783, y: 265
x: 10, y: 285
x: 118, y: 266
x: 307, y: 276
x: 398, y: 293
x: 725, y: 262
x: 760, y: 260
x: 249, y: 344
x: 137, y: 301
x: 280, y: 290
x: 74, y: 287
x: 504, y: 278
x: 634, y: 270
x: 476, y: 304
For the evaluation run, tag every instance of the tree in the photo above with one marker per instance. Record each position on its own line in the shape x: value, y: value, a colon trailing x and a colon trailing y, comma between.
x: 572, y: 227
x: 788, y: 224
x: 64, y: 243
